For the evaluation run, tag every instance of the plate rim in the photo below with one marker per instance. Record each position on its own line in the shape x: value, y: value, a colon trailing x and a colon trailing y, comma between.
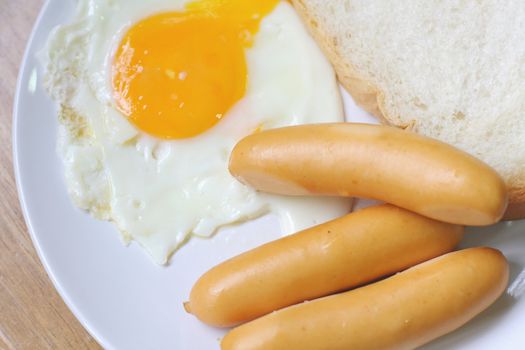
x: 16, y: 139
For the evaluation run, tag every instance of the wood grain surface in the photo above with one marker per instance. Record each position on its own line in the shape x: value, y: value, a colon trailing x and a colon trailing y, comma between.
x: 32, y: 314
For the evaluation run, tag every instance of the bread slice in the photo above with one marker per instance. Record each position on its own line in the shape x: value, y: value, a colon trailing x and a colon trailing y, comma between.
x: 449, y: 69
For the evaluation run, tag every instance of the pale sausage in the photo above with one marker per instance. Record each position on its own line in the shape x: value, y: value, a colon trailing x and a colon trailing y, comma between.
x: 371, y: 161
x: 319, y: 261
x: 402, y: 312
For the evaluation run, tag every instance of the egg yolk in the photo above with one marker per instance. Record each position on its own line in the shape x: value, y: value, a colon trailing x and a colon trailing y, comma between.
x: 176, y: 74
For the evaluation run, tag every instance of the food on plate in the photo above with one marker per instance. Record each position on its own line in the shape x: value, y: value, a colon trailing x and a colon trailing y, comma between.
x: 515, y: 211
x: 379, y: 162
x: 152, y: 97
x: 338, y: 255
x: 401, y: 312
x: 446, y: 69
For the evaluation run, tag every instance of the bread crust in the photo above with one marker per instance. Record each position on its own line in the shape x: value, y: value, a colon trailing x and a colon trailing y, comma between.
x: 371, y: 99
x: 515, y: 211
x: 516, y: 208
x: 366, y: 95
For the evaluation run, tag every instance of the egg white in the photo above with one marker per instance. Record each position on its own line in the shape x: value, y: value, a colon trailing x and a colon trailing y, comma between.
x: 160, y: 192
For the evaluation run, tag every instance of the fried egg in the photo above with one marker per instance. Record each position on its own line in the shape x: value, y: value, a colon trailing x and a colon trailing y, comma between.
x: 153, y: 95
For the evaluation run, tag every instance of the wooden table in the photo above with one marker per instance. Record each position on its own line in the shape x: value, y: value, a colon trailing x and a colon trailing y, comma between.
x: 32, y: 314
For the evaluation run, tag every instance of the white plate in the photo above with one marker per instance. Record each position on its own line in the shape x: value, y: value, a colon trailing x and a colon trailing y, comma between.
x: 127, y: 302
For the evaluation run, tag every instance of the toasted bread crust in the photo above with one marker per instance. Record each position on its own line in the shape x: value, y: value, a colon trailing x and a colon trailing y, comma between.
x: 371, y: 99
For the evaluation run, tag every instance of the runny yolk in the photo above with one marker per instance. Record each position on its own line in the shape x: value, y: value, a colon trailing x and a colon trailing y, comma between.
x: 176, y: 74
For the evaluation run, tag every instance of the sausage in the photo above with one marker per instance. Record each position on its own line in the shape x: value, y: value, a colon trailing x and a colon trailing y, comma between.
x: 401, y: 312
x: 371, y: 161
x: 319, y: 261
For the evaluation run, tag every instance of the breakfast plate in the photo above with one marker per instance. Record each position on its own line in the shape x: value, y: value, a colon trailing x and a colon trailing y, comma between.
x: 127, y: 302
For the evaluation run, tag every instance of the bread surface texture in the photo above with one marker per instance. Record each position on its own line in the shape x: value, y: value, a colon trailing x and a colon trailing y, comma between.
x: 449, y: 69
